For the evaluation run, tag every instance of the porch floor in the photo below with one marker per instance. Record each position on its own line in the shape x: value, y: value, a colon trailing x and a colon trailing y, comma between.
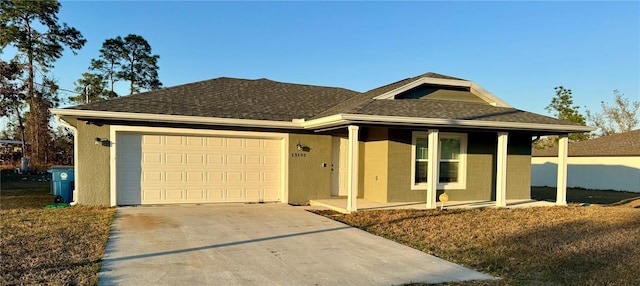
x: 340, y: 204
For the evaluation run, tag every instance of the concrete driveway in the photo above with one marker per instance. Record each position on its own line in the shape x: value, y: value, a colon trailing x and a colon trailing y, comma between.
x: 258, y: 244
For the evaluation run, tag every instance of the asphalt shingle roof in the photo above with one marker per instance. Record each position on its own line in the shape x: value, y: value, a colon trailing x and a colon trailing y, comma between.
x: 622, y: 144
x: 260, y: 99
x: 264, y: 99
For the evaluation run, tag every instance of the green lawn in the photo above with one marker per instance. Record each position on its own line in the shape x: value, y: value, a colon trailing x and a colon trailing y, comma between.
x: 48, y: 246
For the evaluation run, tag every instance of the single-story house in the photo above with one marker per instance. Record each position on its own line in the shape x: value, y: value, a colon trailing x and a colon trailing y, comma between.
x: 606, y: 163
x: 240, y: 140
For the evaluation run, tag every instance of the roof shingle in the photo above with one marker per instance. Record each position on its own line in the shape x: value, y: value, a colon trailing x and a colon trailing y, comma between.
x: 264, y: 99
x: 622, y: 144
x: 260, y: 99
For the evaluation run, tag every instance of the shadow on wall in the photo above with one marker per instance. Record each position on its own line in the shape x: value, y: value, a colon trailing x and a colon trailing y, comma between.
x: 602, y: 177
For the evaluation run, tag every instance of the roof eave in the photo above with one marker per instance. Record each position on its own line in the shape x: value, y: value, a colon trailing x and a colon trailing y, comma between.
x: 342, y: 119
x: 182, y: 119
x: 322, y: 123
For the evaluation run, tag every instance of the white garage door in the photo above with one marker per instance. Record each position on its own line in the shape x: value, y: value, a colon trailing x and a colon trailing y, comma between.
x: 161, y: 169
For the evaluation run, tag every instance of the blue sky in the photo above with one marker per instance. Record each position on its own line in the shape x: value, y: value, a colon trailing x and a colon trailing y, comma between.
x: 519, y: 51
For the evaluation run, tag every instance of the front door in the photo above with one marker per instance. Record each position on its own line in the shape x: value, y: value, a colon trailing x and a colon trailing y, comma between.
x: 339, y: 166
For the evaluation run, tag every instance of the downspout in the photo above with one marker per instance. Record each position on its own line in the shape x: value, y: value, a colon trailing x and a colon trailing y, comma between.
x: 74, y: 200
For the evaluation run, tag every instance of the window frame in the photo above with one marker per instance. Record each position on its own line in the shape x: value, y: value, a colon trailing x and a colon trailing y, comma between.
x: 462, y: 165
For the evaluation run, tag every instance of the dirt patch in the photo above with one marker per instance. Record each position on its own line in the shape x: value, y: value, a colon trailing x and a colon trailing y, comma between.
x: 145, y: 222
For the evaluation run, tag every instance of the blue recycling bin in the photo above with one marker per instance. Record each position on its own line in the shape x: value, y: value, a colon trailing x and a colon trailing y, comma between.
x: 62, y: 183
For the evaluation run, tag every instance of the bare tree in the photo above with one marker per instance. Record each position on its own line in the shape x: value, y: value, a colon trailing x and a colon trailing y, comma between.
x: 620, y: 117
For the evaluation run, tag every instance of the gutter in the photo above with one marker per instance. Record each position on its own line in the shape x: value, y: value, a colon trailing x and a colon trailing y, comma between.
x: 341, y: 119
x: 165, y: 118
x: 74, y: 199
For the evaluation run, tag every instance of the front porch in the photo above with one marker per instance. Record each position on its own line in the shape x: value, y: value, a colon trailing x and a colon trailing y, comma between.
x: 340, y: 204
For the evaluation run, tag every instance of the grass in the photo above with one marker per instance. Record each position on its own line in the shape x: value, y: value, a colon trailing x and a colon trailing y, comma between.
x: 573, y: 245
x: 48, y: 246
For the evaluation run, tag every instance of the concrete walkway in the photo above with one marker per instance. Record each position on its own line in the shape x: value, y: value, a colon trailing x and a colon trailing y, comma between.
x: 340, y: 204
x: 258, y: 244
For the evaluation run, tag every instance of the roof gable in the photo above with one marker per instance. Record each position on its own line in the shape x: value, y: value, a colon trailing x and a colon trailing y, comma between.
x: 452, y: 84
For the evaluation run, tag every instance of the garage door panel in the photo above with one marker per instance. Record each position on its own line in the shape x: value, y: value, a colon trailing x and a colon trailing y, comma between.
x: 173, y: 140
x: 173, y: 158
x: 195, y: 159
x: 215, y: 159
x: 152, y: 158
x: 271, y: 177
x: 253, y: 160
x: 252, y: 193
x: 253, y: 143
x: 151, y: 140
x: 215, y: 142
x: 234, y: 177
x: 215, y: 176
x: 173, y: 176
x: 271, y: 145
x: 215, y: 195
x: 174, y: 194
x: 234, y: 143
x: 234, y: 159
x: 151, y: 176
x: 183, y: 169
x: 253, y: 177
x: 195, y: 177
x: 152, y: 194
x: 195, y: 141
x: 196, y: 194
x: 235, y: 194
x: 271, y: 161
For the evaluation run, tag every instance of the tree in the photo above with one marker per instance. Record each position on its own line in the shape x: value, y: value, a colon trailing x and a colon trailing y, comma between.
x: 621, y: 117
x: 20, y: 22
x: 562, y: 107
x: 12, y: 95
x: 140, y: 67
x: 109, y: 61
x: 91, y: 87
x: 127, y: 59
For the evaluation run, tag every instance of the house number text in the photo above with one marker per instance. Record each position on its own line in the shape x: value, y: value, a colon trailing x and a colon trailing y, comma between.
x: 298, y: 155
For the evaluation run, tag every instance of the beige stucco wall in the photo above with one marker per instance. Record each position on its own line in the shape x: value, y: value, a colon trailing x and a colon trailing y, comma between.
x: 376, y: 169
x: 308, y: 177
x: 93, y: 165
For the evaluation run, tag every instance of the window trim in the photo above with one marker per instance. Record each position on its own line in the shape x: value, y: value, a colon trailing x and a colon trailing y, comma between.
x: 462, y: 167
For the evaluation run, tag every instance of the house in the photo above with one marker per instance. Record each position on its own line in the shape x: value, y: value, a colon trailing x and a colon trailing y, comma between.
x: 240, y: 140
x: 607, y: 163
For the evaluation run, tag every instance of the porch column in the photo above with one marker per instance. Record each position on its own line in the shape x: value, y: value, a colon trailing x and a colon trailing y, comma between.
x: 563, y: 146
x: 501, y: 170
x: 433, y: 168
x: 352, y: 176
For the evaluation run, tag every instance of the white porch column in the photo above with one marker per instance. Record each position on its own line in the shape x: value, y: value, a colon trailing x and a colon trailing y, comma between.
x: 563, y: 147
x: 501, y: 170
x: 433, y: 168
x: 352, y: 177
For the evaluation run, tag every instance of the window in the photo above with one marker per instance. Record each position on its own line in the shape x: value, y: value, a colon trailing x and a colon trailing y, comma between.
x: 451, y: 160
